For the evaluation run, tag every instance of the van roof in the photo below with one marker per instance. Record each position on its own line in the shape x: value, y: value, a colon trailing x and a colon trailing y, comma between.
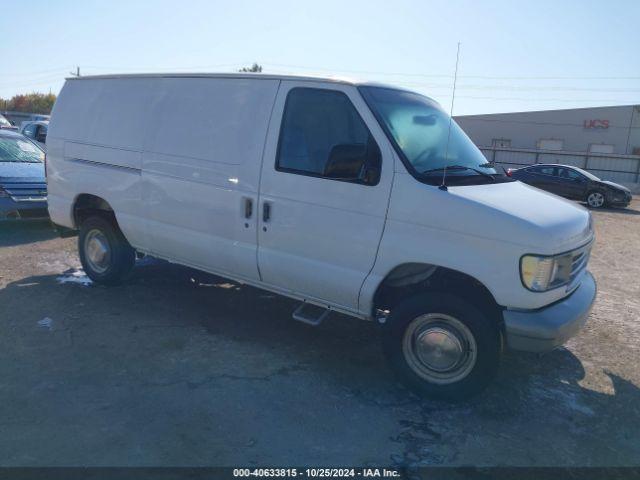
x: 253, y: 76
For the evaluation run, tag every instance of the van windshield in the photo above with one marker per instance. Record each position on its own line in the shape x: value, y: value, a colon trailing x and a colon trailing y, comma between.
x: 420, y: 130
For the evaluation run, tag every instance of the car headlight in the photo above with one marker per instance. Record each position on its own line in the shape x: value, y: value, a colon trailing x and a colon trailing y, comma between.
x: 540, y: 273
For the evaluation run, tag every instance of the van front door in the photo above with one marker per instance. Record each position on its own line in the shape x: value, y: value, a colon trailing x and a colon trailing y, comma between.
x: 325, y: 185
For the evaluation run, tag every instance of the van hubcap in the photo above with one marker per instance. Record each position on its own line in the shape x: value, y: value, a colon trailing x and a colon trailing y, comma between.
x: 595, y: 199
x: 439, y: 348
x: 97, y: 251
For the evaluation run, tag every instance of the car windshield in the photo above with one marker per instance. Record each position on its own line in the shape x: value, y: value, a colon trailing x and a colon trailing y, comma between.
x: 420, y: 129
x: 589, y: 175
x: 19, y: 150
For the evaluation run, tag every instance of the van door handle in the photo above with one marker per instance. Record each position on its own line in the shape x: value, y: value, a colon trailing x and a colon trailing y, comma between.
x: 266, y: 212
x: 248, y: 208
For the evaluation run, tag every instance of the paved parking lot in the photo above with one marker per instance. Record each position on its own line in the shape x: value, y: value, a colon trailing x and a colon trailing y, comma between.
x: 181, y: 368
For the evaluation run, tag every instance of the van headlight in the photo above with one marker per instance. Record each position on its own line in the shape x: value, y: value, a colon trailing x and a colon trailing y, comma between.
x: 540, y: 273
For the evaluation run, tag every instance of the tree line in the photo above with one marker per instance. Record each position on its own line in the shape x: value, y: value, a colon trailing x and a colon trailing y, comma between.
x: 29, y: 103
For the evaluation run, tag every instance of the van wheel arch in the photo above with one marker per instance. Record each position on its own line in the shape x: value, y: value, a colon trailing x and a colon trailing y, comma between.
x: 408, y: 279
x: 87, y: 205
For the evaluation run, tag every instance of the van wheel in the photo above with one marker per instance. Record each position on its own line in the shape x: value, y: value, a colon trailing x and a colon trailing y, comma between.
x: 596, y: 199
x: 442, y: 346
x: 105, y: 254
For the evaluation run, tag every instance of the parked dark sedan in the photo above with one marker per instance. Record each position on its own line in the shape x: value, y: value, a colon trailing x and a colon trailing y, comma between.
x: 573, y: 183
x: 23, y: 188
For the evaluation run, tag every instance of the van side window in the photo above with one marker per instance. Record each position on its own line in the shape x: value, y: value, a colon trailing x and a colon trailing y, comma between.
x: 544, y: 170
x: 322, y: 135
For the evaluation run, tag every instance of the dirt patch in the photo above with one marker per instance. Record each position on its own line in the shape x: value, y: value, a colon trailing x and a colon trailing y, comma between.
x: 181, y: 368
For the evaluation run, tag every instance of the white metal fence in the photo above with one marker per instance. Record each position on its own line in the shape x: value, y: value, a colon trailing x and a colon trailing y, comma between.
x: 617, y: 168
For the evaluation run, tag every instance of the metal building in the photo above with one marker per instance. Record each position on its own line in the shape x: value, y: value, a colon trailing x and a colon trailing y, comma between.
x: 604, y: 140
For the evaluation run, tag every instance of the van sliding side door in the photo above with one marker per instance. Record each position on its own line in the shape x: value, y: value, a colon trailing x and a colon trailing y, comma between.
x: 201, y: 170
x: 319, y: 222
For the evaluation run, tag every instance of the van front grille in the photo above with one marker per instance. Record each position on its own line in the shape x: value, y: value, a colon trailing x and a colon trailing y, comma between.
x: 579, y: 260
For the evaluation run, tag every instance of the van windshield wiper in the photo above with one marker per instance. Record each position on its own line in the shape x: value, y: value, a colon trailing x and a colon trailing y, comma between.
x: 458, y: 168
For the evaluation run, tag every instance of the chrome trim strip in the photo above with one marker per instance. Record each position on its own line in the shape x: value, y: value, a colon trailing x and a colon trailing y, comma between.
x: 102, y: 164
x: 29, y: 199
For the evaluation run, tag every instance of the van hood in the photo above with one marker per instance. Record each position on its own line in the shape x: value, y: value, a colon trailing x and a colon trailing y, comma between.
x: 518, y: 213
x: 22, y: 172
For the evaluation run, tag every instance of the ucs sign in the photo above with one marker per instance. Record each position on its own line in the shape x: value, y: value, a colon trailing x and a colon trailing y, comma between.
x: 596, y: 124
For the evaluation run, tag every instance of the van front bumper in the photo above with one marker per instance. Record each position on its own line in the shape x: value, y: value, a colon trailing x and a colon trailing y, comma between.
x: 549, y: 327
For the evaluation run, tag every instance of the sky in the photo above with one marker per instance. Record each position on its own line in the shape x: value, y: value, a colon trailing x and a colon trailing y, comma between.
x: 515, y: 55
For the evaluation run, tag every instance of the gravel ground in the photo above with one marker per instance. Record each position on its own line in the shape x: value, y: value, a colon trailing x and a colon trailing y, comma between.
x: 181, y: 368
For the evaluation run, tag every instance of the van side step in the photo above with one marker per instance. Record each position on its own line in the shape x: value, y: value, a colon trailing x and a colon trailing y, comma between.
x: 310, y: 314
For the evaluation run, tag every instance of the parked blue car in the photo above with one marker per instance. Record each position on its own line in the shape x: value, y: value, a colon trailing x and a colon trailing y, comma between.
x: 23, y: 188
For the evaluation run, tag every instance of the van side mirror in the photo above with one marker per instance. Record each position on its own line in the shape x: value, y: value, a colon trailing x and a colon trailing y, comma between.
x: 353, y: 162
x: 346, y: 161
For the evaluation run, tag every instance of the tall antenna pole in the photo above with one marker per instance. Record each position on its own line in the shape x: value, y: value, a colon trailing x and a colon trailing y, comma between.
x: 443, y: 186
x: 76, y: 73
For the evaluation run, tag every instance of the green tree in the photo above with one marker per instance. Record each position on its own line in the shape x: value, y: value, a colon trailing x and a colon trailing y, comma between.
x: 30, y: 103
x: 255, y: 68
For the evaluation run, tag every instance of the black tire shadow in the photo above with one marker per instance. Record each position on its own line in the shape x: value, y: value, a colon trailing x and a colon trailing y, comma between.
x: 22, y: 232
x: 621, y: 210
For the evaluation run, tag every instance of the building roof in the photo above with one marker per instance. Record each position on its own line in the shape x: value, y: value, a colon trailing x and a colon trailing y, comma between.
x: 551, y: 110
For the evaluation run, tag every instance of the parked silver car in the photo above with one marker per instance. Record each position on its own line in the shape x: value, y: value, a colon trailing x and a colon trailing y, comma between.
x: 36, y: 131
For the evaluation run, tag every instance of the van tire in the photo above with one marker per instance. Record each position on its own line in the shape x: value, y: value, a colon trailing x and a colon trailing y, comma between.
x: 454, y: 326
x: 101, y: 235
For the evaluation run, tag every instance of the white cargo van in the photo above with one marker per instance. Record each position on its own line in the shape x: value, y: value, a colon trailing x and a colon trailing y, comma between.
x: 350, y: 197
